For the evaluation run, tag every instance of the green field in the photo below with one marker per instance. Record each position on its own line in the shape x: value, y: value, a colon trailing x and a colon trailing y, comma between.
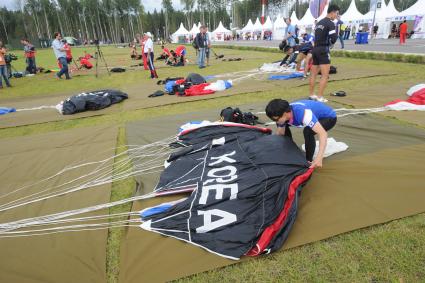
x: 392, y: 252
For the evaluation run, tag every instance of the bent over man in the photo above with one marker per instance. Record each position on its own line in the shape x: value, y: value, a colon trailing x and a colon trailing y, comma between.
x: 314, y: 116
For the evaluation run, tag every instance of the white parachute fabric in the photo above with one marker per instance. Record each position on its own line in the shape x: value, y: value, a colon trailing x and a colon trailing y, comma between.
x: 332, y: 147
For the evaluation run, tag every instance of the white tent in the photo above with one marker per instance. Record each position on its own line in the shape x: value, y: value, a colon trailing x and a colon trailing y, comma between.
x: 268, y: 25
x: 307, y: 20
x: 383, y: 19
x: 219, y: 33
x: 391, y: 11
x: 294, y: 19
x: 249, y: 27
x: 194, y: 31
x: 352, y: 15
x: 417, y: 9
x: 279, y: 28
x: 258, y: 27
x: 417, y: 13
x: 368, y: 17
x: 181, y: 32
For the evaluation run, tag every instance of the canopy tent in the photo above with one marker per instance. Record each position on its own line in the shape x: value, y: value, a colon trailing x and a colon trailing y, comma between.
x: 194, y: 31
x: 249, y: 27
x: 258, y: 27
x: 294, y: 19
x: 307, y: 20
x: 417, y: 9
x: 383, y: 19
x: 181, y: 32
x: 415, y: 13
x: 219, y: 33
x: 268, y: 25
x: 279, y: 27
x: 352, y: 15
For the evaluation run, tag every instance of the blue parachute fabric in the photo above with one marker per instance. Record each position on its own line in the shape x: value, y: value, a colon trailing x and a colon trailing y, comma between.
x: 227, y: 84
x: 286, y: 77
x: 169, y: 86
x: 6, y: 110
x: 155, y: 210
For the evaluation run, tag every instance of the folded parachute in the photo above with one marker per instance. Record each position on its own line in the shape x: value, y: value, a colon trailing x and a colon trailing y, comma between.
x: 94, y: 100
x: 244, y: 186
x: 416, y: 100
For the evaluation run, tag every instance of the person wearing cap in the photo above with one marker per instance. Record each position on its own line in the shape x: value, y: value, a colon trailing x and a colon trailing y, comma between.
x: 315, y: 117
x: 148, y: 51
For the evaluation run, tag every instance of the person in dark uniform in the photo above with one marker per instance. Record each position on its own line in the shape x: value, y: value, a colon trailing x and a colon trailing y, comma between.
x: 325, y: 36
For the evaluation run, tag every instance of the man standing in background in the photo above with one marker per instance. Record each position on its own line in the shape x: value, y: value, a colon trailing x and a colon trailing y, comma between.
x: 148, y: 51
x: 201, y: 43
x: 340, y: 29
x: 403, y: 32
x: 207, y: 49
x: 60, y: 53
x: 325, y: 36
x: 29, y: 50
x: 3, y: 69
x: 290, y: 33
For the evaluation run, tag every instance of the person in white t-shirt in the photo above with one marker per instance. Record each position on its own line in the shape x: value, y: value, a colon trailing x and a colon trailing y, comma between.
x: 148, y: 50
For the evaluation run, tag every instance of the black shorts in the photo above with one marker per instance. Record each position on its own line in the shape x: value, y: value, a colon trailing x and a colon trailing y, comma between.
x: 321, y: 55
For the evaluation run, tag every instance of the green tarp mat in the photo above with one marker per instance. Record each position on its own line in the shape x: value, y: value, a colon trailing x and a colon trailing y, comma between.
x: 375, y: 181
x: 61, y: 257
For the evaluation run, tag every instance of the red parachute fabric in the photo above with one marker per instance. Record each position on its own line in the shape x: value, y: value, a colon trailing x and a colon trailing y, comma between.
x: 270, y: 232
x: 198, y: 90
x: 417, y: 98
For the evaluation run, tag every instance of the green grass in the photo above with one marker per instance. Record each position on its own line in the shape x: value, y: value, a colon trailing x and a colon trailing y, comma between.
x: 384, y: 253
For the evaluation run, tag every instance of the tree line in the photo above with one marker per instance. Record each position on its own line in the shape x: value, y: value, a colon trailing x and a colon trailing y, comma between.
x: 120, y: 20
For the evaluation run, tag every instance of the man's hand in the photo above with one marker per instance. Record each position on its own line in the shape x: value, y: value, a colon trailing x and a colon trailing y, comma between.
x: 316, y: 163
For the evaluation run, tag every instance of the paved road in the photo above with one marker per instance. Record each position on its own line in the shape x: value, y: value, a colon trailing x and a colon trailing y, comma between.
x: 413, y: 46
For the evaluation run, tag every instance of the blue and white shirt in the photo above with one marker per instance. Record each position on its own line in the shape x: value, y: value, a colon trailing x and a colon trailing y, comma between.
x: 306, y: 113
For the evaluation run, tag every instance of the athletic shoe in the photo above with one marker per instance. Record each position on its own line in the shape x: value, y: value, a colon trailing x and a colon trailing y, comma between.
x: 322, y: 99
x: 313, y: 97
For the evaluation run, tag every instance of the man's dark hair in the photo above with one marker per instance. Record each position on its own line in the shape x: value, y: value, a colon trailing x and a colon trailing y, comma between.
x: 56, y: 34
x: 404, y: 21
x: 277, y: 107
x: 287, y: 48
x: 333, y: 8
x: 24, y: 39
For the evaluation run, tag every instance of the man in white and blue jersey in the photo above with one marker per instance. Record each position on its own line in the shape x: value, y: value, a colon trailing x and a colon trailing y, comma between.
x: 314, y: 116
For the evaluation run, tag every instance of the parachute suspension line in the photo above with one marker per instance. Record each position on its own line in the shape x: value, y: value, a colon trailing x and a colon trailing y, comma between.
x: 101, y: 162
x: 46, y: 219
x: 37, y: 108
x: 343, y: 112
x: 104, y: 173
x: 68, y: 230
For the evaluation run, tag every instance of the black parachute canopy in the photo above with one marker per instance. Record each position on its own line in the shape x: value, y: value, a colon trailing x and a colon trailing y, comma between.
x: 244, y: 187
x: 94, y: 100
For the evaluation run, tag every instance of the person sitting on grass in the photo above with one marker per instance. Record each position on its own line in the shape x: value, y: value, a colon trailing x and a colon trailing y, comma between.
x: 314, y: 116
x: 133, y: 52
x: 305, y: 55
x: 291, y: 56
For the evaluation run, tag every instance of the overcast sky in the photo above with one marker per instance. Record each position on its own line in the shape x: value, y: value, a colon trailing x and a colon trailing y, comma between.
x: 149, y: 5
